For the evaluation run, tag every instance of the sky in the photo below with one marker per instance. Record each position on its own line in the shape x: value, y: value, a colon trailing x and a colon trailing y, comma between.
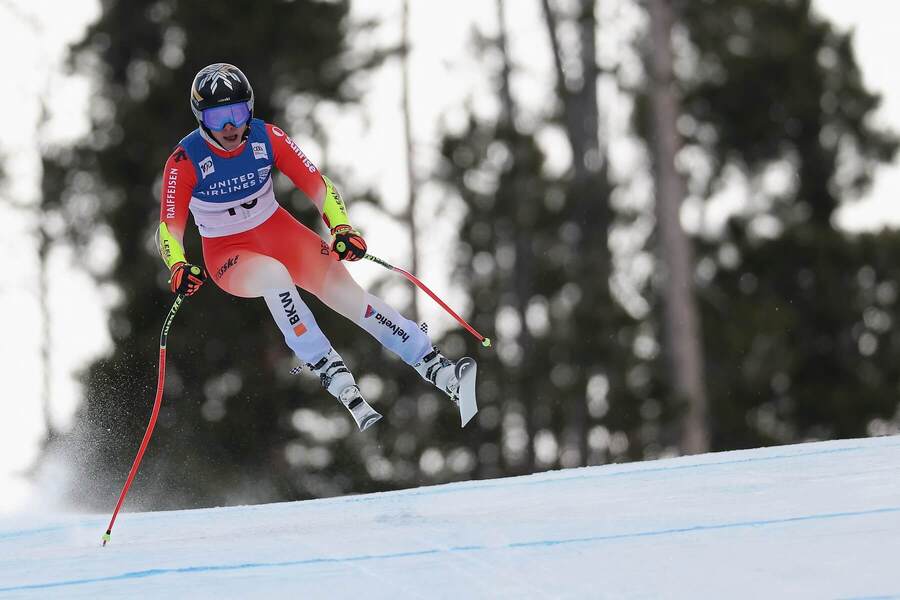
x: 877, y: 47
x: 796, y: 522
x: 35, y: 35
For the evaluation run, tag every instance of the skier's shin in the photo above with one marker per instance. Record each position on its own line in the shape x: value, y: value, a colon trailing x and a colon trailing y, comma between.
x: 301, y: 332
x: 393, y: 330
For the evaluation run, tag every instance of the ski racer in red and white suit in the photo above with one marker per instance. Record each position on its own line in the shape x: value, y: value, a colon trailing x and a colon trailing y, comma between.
x: 252, y: 247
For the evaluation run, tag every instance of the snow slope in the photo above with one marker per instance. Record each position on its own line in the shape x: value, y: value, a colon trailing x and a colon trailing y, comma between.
x: 815, y: 520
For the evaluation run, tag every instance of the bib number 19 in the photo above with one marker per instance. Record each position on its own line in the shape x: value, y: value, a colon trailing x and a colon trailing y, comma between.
x: 247, y: 205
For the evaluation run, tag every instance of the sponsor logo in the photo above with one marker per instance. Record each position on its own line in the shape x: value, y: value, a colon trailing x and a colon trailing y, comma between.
x: 171, y: 180
x: 398, y: 331
x: 178, y: 300
x: 228, y: 264
x: 259, y: 150
x: 293, y: 318
x: 325, y: 251
x: 263, y: 173
x: 306, y: 162
x: 278, y: 132
x: 166, y: 251
x: 219, y: 74
x: 336, y: 196
x: 207, y: 167
x: 230, y: 185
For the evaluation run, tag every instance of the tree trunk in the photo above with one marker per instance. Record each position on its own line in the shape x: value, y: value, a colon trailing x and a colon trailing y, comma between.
x: 412, y: 180
x: 681, y: 323
x: 523, y: 278
x: 589, y: 189
x: 46, y: 335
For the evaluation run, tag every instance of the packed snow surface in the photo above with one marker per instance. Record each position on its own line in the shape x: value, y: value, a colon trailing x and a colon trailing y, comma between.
x: 818, y: 520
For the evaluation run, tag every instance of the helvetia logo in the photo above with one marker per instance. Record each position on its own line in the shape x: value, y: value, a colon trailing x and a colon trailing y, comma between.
x: 398, y: 331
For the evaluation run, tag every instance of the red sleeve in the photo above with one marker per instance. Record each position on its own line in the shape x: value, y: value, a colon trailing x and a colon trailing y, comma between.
x: 179, y: 179
x: 290, y: 160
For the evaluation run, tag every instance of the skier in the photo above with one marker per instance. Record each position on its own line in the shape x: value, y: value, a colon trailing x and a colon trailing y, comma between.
x: 222, y: 172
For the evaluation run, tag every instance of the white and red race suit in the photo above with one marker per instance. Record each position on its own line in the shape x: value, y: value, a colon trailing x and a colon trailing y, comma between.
x: 252, y: 247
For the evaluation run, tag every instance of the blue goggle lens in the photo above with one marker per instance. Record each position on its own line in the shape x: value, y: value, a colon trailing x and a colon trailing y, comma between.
x: 218, y: 117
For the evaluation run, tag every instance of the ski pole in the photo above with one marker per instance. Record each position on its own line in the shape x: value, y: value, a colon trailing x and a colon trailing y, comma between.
x: 156, y: 404
x: 485, y: 341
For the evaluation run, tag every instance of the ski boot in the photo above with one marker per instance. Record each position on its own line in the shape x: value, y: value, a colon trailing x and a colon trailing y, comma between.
x: 457, y: 380
x: 339, y: 382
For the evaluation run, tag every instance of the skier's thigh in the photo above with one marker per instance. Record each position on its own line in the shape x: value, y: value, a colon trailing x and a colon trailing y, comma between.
x: 248, y: 274
x: 341, y: 292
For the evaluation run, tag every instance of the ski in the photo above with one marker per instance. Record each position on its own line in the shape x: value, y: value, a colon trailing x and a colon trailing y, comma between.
x: 364, y: 415
x: 466, y: 370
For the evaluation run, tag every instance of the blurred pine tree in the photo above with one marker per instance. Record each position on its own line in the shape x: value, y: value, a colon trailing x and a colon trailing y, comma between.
x: 796, y: 313
x: 234, y: 427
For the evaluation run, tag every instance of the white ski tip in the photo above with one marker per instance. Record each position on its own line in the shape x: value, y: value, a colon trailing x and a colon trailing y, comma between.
x: 364, y: 415
x: 369, y: 420
x: 467, y: 403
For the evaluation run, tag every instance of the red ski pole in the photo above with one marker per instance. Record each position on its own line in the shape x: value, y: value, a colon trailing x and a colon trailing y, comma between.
x: 156, y: 404
x: 485, y: 341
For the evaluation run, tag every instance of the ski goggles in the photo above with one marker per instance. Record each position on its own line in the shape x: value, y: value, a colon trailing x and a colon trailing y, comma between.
x: 217, y: 117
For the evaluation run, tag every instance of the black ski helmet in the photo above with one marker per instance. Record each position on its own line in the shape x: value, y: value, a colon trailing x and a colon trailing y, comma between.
x: 219, y: 84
